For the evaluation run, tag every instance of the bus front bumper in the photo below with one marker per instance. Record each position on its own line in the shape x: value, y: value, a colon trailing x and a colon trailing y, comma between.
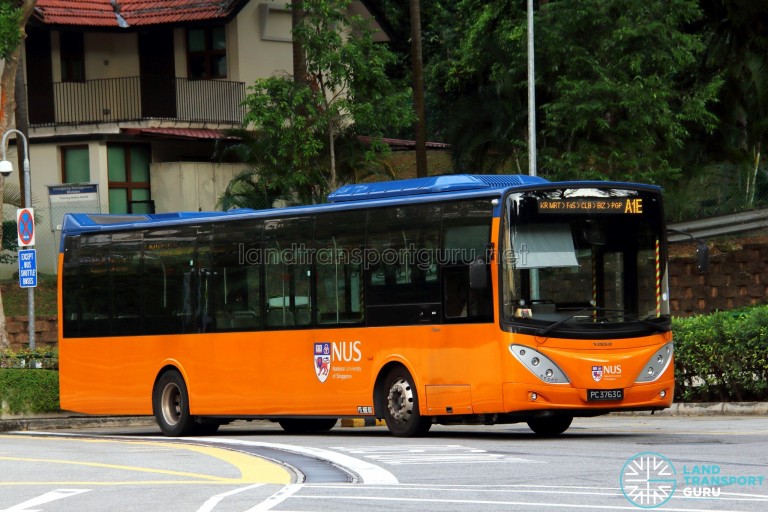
x: 527, y: 397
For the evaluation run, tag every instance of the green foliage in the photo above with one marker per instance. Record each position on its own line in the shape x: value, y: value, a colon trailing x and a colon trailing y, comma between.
x: 29, y: 391
x: 303, y: 143
x: 45, y: 358
x: 722, y: 356
x: 10, y: 31
x: 617, y: 86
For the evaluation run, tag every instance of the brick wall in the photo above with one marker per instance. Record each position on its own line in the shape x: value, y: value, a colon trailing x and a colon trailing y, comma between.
x: 737, y: 277
x: 46, y: 332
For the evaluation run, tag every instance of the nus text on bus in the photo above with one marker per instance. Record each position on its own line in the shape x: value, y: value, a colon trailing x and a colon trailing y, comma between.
x: 452, y: 300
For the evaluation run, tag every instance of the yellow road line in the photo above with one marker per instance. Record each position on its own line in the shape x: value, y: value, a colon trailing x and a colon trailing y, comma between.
x: 253, y: 469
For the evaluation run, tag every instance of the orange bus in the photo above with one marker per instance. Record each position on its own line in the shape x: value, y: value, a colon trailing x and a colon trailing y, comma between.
x: 453, y: 300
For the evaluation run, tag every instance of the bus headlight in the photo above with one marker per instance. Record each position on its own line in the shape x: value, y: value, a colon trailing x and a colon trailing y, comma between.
x: 539, y: 364
x: 657, y: 364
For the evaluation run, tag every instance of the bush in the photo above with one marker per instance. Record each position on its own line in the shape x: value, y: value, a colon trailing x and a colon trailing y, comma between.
x: 24, y: 391
x: 722, y: 356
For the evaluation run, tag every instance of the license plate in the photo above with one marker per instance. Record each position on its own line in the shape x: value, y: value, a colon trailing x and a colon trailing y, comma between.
x: 604, y: 395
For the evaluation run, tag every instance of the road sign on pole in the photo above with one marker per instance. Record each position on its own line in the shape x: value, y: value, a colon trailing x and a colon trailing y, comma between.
x: 27, y: 268
x: 25, y: 223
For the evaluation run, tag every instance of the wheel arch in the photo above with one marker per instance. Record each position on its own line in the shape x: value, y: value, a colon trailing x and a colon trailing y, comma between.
x: 380, y: 394
x: 168, y: 366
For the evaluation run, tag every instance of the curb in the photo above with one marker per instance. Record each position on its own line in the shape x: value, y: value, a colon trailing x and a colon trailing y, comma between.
x: 362, y: 422
x: 64, y: 421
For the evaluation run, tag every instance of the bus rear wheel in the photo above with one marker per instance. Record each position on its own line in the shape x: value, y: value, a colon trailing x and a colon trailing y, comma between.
x: 170, y: 405
x: 301, y: 426
x: 551, y: 426
x: 401, y: 411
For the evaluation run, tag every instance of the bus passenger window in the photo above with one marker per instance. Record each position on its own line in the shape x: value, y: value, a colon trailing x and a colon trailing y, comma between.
x: 288, y: 271
x: 339, y: 242
x: 235, y: 280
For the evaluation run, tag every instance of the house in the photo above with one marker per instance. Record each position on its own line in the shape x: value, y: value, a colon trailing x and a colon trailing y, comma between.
x: 132, y: 95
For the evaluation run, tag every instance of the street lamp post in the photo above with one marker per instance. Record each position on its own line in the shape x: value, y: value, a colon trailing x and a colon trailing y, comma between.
x: 6, y: 168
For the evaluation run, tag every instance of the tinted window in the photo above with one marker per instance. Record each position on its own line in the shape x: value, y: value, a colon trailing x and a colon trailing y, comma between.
x: 288, y: 272
x: 235, y: 281
x: 125, y: 273
x: 94, y: 285
x: 169, y: 267
x: 339, y: 243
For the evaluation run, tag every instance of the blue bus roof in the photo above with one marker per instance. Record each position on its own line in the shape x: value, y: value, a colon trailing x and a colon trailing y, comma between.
x: 431, y: 185
x: 418, y: 190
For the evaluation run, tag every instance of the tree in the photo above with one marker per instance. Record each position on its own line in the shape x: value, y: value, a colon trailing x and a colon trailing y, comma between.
x: 737, y: 50
x: 13, y: 19
x: 616, y: 83
x: 346, y: 93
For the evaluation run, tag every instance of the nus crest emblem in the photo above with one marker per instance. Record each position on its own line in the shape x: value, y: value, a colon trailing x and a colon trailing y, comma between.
x: 322, y: 360
x: 597, y: 373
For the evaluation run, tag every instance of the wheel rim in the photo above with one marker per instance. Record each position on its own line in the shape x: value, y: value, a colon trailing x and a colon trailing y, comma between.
x: 171, y: 404
x: 400, y: 401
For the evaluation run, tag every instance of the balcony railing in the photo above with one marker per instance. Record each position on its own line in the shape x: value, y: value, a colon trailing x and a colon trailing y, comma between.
x: 136, y: 98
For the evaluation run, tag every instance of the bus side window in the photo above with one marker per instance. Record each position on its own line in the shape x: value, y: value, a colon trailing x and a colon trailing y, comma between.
x: 71, y: 285
x: 94, y: 285
x: 466, y: 238
x: 402, y: 286
x: 288, y: 271
x: 235, y: 280
x: 339, y: 242
x: 169, y: 277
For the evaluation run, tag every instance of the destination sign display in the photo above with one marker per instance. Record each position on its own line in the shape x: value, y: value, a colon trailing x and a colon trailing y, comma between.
x: 620, y: 205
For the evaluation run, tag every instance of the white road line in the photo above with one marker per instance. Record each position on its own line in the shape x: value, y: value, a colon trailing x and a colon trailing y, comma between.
x: 431, y: 454
x: 277, y: 498
x: 45, y: 498
x: 211, y: 502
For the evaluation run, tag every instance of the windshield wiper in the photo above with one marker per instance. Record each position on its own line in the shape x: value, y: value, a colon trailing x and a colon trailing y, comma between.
x: 644, y: 321
x: 546, y: 330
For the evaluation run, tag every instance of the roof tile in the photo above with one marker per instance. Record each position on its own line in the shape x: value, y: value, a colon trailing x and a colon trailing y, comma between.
x: 103, y: 13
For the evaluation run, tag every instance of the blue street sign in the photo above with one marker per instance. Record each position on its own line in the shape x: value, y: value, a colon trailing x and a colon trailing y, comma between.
x: 27, y: 268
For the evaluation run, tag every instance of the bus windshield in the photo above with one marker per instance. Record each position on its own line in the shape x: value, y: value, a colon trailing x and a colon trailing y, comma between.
x: 581, y: 260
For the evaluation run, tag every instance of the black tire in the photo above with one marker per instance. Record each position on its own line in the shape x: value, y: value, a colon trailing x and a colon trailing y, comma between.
x: 401, y: 405
x: 205, y: 429
x: 170, y: 404
x: 551, y: 426
x: 302, y: 426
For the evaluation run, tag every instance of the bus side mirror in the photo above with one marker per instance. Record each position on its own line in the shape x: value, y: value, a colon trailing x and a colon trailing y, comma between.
x: 478, y: 274
x: 702, y: 258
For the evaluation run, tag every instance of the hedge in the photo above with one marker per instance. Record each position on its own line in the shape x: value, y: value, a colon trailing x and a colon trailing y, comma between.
x: 722, y: 357
x: 719, y: 357
x: 24, y: 391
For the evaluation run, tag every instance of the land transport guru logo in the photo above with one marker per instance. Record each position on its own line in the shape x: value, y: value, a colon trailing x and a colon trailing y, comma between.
x: 649, y: 480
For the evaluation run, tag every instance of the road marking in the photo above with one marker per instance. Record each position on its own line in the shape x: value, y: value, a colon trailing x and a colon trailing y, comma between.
x: 276, y: 499
x: 368, y: 473
x: 48, y: 497
x: 211, y: 502
x: 252, y: 469
x: 431, y: 454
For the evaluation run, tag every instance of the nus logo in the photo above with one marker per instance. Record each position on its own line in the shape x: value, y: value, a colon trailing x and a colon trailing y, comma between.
x: 347, y: 351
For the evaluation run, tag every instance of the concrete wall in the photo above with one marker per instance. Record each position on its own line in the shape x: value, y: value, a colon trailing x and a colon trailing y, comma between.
x: 189, y: 186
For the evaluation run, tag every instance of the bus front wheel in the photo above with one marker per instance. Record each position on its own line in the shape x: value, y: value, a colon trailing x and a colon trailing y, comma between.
x: 401, y: 411
x: 170, y: 404
x: 551, y: 426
